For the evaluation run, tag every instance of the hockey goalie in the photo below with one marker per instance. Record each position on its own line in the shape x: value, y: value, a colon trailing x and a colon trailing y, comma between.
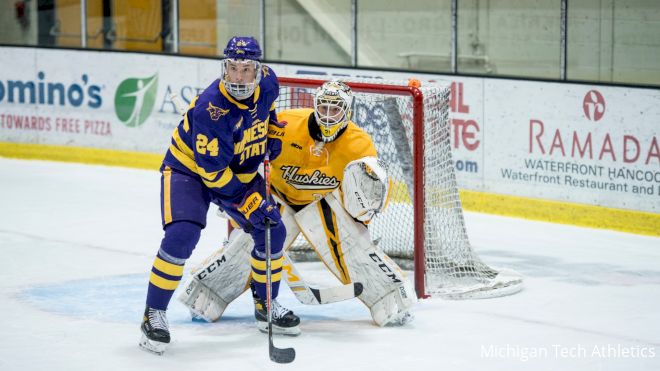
x: 330, y: 185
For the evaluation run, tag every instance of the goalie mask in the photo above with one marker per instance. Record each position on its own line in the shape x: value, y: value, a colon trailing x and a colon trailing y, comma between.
x: 332, y: 108
x: 241, y: 67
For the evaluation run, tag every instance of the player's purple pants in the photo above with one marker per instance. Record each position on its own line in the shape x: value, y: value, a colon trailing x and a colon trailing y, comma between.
x: 185, y: 202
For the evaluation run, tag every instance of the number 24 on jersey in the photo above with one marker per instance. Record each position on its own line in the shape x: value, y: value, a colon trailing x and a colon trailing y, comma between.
x: 203, y: 145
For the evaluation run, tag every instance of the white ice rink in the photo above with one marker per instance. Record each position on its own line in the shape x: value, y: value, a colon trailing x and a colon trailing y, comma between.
x: 77, y: 243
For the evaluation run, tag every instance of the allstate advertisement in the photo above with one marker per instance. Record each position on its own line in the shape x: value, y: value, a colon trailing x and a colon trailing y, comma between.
x: 579, y: 143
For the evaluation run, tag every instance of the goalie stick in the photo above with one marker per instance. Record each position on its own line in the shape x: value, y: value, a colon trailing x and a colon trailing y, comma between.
x: 279, y: 355
x: 310, y: 295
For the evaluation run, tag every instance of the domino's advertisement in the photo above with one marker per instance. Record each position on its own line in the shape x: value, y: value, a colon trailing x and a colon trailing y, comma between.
x: 102, y: 100
x: 586, y: 144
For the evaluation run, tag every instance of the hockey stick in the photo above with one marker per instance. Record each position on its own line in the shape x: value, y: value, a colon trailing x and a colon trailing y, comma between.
x: 279, y: 355
x: 310, y: 295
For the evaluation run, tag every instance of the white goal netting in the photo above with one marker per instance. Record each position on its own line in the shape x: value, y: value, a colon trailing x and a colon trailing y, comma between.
x: 387, y: 111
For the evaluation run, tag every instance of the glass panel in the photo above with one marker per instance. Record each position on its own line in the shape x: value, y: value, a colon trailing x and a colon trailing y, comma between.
x: 66, y: 29
x: 509, y: 37
x: 237, y: 18
x: 614, y: 41
x: 50, y: 23
x: 198, y: 27
x: 137, y: 25
x: 411, y: 34
x: 317, y: 32
x: 19, y: 25
x: 95, y: 30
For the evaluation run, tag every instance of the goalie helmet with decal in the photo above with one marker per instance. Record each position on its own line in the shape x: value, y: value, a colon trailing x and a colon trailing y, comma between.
x: 241, y: 66
x: 333, y: 102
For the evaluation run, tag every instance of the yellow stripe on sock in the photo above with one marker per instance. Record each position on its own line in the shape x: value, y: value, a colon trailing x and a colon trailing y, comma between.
x: 261, y: 264
x: 163, y: 283
x: 168, y: 268
x: 261, y: 278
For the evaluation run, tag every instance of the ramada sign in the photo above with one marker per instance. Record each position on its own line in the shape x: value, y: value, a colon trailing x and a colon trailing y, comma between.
x: 584, y: 144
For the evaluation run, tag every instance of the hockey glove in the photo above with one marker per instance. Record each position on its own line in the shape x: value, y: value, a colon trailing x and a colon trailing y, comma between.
x: 275, y: 134
x: 257, y: 209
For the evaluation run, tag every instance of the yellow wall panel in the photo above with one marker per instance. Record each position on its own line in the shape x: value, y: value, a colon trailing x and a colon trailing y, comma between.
x: 138, y: 24
x: 67, y: 12
x: 197, y: 27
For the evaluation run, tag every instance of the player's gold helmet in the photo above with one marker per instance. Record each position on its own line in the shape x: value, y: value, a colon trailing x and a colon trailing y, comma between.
x: 333, y: 103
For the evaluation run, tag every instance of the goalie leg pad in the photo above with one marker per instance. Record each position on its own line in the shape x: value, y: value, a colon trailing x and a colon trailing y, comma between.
x: 225, y: 275
x: 202, y: 301
x: 220, y: 279
x: 345, y: 247
x: 393, y: 308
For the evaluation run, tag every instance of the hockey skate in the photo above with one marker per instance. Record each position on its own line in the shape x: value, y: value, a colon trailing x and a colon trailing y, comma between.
x: 285, y: 322
x: 155, y: 331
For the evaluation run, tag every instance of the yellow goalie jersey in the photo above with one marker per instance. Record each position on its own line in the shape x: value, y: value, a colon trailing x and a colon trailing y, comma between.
x: 305, y: 171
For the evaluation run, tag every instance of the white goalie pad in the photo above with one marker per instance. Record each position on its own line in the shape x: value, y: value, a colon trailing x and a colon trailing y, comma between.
x: 345, y: 247
x: 220, y: 279
x: 365, y: 188
x: 225, y: 275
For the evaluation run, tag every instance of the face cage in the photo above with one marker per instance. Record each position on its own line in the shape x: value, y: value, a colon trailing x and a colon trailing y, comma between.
x: 237, y: 90
x: 329, y: 126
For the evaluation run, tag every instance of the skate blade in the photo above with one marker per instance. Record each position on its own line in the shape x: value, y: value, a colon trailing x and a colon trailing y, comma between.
x: 154, y: 347
x: 277, y: 330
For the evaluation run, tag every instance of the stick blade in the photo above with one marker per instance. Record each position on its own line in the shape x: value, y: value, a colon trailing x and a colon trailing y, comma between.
x: 285, y: 355
x: 358, y: 288
x: 331, y: 294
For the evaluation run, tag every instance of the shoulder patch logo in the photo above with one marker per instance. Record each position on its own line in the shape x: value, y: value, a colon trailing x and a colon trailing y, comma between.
x: 265, y: 71
x: 216, y: 112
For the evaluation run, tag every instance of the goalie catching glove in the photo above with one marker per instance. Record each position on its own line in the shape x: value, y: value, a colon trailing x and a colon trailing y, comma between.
x: 365, y: 188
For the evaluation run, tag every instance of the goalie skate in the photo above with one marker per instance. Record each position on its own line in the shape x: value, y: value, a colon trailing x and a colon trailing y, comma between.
x: 155, y: 331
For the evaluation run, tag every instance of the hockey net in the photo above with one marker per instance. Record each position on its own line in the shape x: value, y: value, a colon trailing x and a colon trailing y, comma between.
x: 423, y: 226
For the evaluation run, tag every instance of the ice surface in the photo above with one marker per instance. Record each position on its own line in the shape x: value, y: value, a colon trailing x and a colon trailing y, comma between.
x: 77, y: 243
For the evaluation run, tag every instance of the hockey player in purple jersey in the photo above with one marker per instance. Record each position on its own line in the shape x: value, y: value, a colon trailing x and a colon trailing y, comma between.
x: 213, y: 157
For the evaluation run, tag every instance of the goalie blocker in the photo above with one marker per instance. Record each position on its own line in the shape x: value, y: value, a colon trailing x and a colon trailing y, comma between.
x: 340, y: 239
